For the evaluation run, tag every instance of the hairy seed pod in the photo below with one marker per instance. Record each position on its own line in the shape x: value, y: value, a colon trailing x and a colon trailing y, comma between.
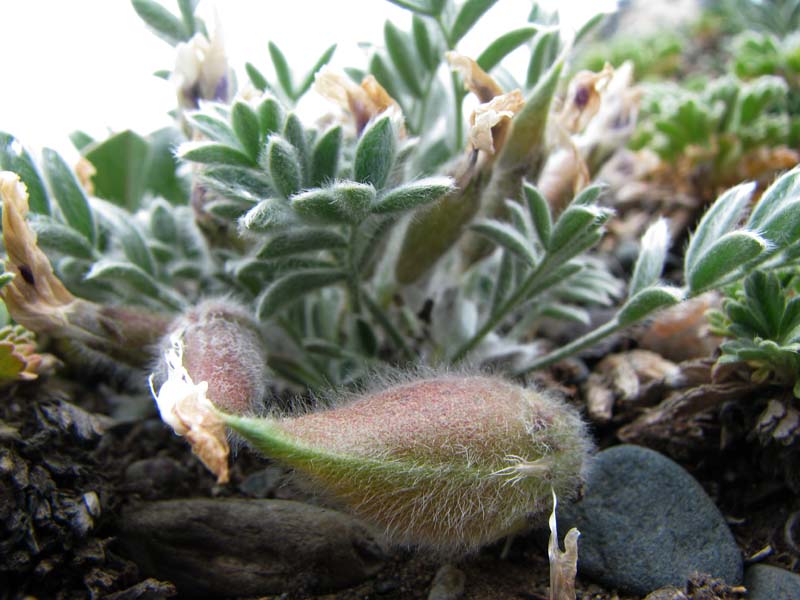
x: 218, y: 345
x: 223, y: 346
x: 449, y: 463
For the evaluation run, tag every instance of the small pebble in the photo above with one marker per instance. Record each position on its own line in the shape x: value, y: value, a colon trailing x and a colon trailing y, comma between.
x: 386, y: 586
x: 257, y: 547
x: 666, y: 593
x: 448, y: 584
x: 263, y: 483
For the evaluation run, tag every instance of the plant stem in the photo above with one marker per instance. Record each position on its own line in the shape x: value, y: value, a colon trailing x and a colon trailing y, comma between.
x: 459, y: 116
x: 458, y: 97
x: 573, y: 347
x: 386, y: 323
x: 297, y: 338
x: 353, y: 278
x: 423, y: 108
x: 524, y: 291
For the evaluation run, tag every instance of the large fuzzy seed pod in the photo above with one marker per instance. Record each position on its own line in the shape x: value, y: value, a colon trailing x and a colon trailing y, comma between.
x: 449, y: 463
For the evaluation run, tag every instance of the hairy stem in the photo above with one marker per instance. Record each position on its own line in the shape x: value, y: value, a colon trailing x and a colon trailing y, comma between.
x: 423, y: 106
x: 318, y: 371
x: 386, y: 323
x: 458, y: 95
x: 525, y: 291
x: 575, y: 346
x: 459, y: 115
x: 353, y: 274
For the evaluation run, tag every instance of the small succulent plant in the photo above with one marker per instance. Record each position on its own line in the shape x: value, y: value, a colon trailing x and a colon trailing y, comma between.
x: 19, y: 360
x: 761, y: 320
x: 776, y: 17
x: 653, y: 57
x: 760, y: 323
x: 726, y: 129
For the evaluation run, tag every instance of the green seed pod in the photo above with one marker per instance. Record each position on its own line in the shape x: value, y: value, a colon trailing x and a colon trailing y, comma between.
x: 449, y: 463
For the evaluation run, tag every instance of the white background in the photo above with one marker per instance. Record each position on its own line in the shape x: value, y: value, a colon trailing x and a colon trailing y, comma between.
x: 88, y: 64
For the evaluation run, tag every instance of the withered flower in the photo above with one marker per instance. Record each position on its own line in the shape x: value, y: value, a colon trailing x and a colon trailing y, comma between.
x: 490, y: 120
x: 214, y: 357
x: 38, y: 300
x: 476, y: 80
x: 484, y: 133
x: 183, y: 405
x: 35, y: 298
x: 599, y: 111
x: 583, y: 98
x: 617, y: 114
x: 363, y: 102
x: 201, y: 70
x: 563, y: 565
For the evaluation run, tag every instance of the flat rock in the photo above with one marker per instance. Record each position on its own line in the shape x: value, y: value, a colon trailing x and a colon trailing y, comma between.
x: 646, y: 523
x: 223, y: 547
x: 764, y: 582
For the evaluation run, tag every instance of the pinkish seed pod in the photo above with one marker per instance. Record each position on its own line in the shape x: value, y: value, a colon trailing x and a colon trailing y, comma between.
x: 223, y: 346
x: 449, y: 463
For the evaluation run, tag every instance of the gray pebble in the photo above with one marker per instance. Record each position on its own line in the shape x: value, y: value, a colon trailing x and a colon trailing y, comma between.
x: 764, y: 582
x: 448, y: 584
x: 667, y: 593
x: 263, y: 483
x: 646, y: 523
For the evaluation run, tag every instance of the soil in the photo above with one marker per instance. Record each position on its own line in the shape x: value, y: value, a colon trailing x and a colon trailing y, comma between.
x: 71, y: 452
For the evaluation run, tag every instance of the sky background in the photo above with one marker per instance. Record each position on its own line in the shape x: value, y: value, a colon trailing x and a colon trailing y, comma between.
x: 88, y: 64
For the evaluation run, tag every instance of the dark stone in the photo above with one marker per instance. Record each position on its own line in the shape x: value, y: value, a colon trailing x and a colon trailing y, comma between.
x: 155, y: 475
x: 216, y: 547
x: 263, y: 483
x: 764, y: 582
x: 385, y: 586
x: 646, y: 523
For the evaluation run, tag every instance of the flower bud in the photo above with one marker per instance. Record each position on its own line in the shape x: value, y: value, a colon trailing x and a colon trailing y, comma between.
x: 201, y: 70
x: 449, y: 463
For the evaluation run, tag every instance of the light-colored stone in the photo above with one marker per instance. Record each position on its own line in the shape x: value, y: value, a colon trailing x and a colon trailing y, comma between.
x: 448, y: 584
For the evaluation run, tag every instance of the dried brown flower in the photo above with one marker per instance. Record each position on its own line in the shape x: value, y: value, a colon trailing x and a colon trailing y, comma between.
x: 364, y: 102
x: 184, y: 407
x: 35, y: 298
